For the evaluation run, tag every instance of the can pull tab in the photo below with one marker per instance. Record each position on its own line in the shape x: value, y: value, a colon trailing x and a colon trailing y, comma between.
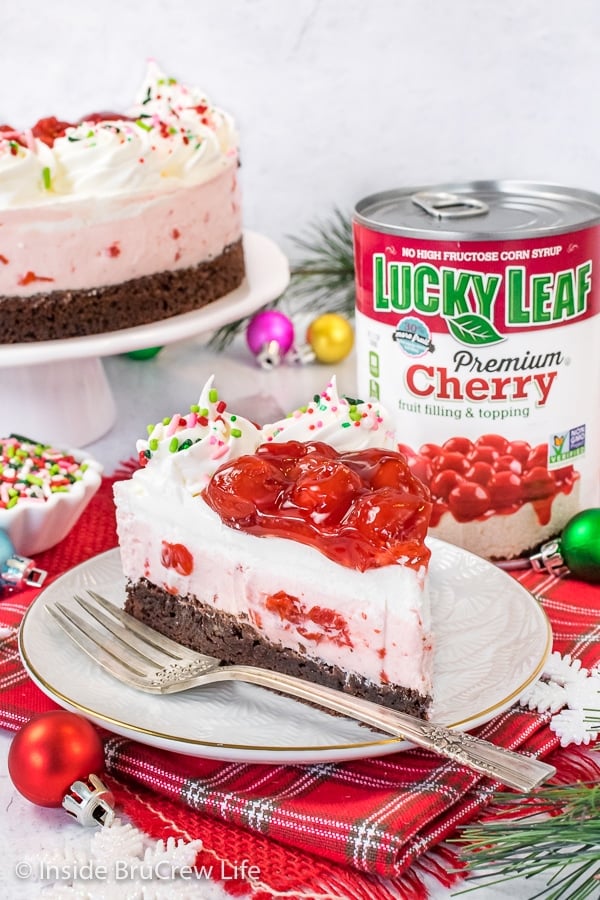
x: 444, y: 205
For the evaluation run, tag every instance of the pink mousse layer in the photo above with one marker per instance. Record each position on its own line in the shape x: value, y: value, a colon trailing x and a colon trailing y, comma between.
x: 81, y: 244
x: 368, y: 623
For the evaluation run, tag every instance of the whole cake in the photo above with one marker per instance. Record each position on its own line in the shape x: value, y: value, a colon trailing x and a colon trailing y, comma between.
x: 295, y: 554
x: 118, y: 220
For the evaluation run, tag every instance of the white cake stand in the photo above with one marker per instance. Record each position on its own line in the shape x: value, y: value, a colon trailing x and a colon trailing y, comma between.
x: 57, y: 391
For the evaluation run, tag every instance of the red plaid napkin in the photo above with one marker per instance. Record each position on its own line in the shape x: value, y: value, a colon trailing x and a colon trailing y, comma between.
x: 365, y: 829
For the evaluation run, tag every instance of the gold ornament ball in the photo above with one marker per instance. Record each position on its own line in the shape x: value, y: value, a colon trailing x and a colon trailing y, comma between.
x: 331, y: 338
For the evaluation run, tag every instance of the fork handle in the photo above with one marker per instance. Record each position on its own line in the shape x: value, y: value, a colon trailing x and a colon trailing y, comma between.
x: 522, y: 773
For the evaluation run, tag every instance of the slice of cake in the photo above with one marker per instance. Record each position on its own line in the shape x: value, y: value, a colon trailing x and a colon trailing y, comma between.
x: 293, y: 555
x: 118, y: 219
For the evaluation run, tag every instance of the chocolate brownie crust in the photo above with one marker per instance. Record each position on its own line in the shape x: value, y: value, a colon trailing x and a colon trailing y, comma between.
x: 64, y: 314
x: 220, y: 634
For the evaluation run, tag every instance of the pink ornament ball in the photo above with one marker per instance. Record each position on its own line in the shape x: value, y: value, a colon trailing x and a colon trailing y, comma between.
x: 270, y: 325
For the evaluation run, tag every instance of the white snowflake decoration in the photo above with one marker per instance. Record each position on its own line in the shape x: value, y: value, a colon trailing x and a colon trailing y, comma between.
x: 122, y: 863
x: 571, y: 693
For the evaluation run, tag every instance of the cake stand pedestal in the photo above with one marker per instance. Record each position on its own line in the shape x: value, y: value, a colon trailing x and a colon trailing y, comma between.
x: 68, y: 401
x: 58, y: 392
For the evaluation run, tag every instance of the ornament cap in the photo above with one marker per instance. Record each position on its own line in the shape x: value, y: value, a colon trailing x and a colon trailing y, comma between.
x: 19, y: 571
x: 269, y: 356
x: 91, y: 803
x: 549, y: 558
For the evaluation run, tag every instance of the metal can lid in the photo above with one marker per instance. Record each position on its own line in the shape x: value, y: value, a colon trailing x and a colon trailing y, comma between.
x: 480, y: 210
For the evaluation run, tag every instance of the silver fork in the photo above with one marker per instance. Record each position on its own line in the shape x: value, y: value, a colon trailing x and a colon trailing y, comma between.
x: 142, y: 658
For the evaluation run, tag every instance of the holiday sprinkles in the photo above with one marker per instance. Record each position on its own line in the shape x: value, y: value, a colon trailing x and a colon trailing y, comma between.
x: 35, y: 472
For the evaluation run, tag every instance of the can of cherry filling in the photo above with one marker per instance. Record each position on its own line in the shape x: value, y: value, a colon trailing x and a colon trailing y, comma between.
x: 478, y: 327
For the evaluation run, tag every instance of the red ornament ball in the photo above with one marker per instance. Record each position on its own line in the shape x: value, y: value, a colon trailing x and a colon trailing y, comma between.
x: 50, y: 752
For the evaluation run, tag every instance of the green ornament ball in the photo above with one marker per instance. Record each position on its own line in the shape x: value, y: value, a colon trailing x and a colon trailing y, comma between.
x: 580, y: 545
x: 147, y: 353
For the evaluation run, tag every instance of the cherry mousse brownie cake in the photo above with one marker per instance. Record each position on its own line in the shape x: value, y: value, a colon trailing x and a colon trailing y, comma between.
x: 292, y: 553
x: 117, y: 220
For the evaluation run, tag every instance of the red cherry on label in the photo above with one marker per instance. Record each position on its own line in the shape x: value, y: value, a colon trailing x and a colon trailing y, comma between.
x: 468, y: 501
x: 496, y: 441
x: 538, y: 457
x: 538, y: 484
x: 519, y: 450
x: 508, y: 464
x: 458, y: 445
x: 444, y: 482
x: 483, y: 453
x: 506, y: 489
x: 455, y: 461
x: 481, y: 472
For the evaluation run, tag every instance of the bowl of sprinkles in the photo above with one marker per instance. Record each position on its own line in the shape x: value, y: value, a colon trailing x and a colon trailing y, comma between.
x: 43, y: 491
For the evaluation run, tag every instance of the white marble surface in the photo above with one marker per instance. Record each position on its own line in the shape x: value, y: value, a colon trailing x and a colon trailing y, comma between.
x: 334, y: 99
x: 145, y: 391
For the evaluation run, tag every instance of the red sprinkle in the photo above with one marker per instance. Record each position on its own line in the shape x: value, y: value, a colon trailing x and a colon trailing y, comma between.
x: 175, y: 233
x: 114, y: 249
x: 221, y: 406
x: 3, y: 259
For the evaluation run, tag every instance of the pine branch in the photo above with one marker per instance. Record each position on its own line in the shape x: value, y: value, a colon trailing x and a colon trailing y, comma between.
x: 562, y: 844
x: 321, y: 279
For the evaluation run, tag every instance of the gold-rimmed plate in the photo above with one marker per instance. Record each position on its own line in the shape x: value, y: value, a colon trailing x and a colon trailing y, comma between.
x: 491, y: 642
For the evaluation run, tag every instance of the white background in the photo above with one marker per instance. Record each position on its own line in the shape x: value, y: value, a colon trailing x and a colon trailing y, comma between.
x: 334, y: 99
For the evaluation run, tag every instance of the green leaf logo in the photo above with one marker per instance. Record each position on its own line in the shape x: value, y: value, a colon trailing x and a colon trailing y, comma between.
x: 471, y: 328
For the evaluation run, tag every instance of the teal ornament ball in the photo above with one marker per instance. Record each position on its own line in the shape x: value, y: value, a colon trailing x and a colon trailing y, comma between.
x: 580, y: 545
x: 6, y: 548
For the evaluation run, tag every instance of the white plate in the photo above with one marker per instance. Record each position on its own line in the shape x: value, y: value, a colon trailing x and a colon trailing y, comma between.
x: 492, y: 640
x: 267, y: 276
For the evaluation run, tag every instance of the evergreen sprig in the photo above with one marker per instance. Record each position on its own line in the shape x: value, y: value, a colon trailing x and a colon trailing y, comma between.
x: 557, y: 834
x: 321, y: 278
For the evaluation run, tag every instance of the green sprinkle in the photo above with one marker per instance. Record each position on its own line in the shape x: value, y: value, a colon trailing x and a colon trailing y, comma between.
x: 33, y: 479
x: 13, y: 492
x: 153, y: 444
x: 233, y: 418
x: 12, y: 502
x: 144, y: 125
x: 345, y: 424
x: 174, y: 445
x: 149, y: 428
x: 172, y: 130
x: 47, y: 177
x: 187, y: 443
x: 166, y: 420
x: 203, y: 411
x: 10, y: 451
x: 61, y: 489
x: 194, y: 408
x: 213, y: 395
x: 235, y: 432
x: 148, y: 96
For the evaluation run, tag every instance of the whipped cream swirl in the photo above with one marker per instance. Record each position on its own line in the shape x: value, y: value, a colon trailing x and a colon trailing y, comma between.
x: 173, y: 134
x: 185, y: 450
x: 343, y: 423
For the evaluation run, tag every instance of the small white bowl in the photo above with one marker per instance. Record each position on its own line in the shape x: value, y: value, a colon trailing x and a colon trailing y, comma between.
x: 37, y: 525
